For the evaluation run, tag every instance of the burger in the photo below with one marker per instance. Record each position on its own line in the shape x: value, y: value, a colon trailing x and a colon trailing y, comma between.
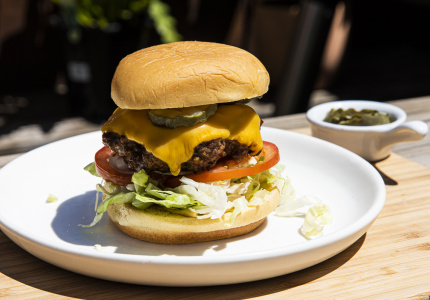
x: 183, y: 159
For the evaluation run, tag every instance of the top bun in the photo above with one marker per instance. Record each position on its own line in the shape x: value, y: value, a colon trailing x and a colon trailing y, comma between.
x: 184, y: 74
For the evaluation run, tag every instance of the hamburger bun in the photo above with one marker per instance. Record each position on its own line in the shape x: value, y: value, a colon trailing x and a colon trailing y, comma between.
x: 158, y: 225
x: 218, y: 147
x: 185, y: 74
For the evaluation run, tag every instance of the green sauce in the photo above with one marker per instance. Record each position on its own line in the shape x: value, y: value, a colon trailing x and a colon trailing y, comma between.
x: 365, y: 117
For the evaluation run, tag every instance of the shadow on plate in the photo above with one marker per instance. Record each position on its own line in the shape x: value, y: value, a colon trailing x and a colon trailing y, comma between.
x: 81, y: 210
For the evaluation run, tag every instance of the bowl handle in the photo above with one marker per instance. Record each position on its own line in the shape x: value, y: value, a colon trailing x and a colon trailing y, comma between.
x: 407, y: 132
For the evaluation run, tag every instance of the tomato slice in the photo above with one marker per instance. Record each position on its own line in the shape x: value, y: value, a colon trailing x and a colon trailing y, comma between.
x: 106, y: 171
x: 225, y: 169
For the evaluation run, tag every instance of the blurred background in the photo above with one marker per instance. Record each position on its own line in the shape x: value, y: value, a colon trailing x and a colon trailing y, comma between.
x: 57, y: 57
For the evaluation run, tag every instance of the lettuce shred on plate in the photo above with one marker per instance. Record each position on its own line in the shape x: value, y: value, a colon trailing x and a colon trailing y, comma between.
x: 51, y: 198
x: 212, y: 200
x: 316, y: 213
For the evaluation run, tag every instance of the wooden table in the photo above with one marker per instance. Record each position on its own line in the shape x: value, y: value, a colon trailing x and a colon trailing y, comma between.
x: 391, y: 261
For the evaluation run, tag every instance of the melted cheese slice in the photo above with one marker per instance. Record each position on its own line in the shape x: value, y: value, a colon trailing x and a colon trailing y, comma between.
x: 174, y: 146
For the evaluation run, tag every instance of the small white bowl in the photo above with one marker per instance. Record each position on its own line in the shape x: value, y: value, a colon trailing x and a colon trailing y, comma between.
x: 373, y: 143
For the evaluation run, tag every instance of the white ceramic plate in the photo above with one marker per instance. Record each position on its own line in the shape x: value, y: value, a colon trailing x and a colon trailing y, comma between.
x: 351, y: 187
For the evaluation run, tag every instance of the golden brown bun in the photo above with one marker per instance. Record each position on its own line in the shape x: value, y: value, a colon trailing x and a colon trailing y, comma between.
x: 187, y: 74
x: 157, y: 225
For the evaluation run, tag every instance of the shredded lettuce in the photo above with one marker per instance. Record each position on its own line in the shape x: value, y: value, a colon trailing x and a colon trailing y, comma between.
x: 170, y: 200
x: 51, y: 198
x: 259, y: 198
x: 296, y: 206
x: 206, y: 200
x: 140, y: 179
x: 213, y: 200
x: 239, y: 205
x: 118, y: 198
x: 92, y: 169
x: 316, y: 213
x: 102, y: 208
x: 316, y: 217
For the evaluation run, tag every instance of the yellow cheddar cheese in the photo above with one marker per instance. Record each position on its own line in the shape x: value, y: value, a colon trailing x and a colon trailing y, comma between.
x: 176, y: 145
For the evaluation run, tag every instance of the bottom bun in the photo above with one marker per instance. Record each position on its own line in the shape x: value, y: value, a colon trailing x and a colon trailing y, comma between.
x: 157, y: 225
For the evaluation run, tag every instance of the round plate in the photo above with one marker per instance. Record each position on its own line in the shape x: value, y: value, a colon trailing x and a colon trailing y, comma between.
x: 352, y: 188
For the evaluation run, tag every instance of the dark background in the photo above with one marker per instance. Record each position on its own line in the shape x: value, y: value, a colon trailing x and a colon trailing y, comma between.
x: 387, y: 54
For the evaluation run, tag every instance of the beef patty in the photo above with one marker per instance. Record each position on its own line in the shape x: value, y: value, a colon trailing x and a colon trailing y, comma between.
x: 205, y: 156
